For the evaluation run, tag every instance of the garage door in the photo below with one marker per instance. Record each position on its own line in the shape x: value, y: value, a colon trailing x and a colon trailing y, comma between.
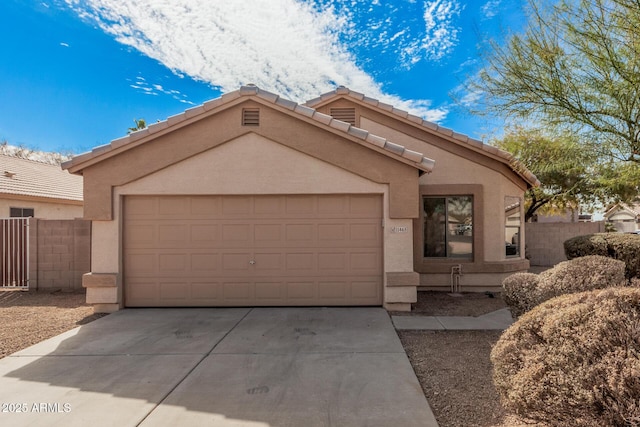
x: 252, y: 250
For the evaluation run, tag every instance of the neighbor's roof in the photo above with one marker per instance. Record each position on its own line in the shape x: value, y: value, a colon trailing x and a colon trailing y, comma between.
x: 633, y: 209
x: 433, y: 128
x: 36, y: 179
x: 362, y: 136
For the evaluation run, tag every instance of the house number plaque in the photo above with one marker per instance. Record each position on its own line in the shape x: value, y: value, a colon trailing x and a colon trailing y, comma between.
x: 399, y: 229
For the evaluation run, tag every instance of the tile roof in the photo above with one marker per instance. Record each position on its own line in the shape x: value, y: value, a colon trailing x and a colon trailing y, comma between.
x: 632, y: 208
x: 363, y: 136
x: 36, y: 179
x: 446, y: 133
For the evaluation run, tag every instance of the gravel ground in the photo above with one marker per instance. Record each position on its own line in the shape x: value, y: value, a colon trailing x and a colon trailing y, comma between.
x: 30, y: 317
x: 435, y: 303
x: 453, y: 367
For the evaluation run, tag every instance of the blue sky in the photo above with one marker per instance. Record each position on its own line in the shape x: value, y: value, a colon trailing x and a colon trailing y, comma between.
x: 75, y: 73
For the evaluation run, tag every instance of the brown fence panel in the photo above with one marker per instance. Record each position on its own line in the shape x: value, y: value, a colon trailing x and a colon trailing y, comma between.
x: 14, y: 252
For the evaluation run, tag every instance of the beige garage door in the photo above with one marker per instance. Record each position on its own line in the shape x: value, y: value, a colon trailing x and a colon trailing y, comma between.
x: 252, y: 250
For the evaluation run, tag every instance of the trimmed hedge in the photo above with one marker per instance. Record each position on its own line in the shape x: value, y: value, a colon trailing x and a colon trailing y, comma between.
x: 623, y: 247
x: 519, y: 292
x: 574, y: 361
x: 523, y: 291
x: 579, y: 275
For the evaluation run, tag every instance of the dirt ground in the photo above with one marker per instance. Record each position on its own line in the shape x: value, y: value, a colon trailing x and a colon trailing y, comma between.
x: 453, y: 367
x: 436, y: 303
x: 30, y: 317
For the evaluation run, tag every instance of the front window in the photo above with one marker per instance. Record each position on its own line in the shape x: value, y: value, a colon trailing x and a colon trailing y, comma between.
x: 512, y: 226
x: 448, y: 227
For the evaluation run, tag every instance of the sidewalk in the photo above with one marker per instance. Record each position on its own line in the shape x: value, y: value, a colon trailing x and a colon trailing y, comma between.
x: 497, y: 320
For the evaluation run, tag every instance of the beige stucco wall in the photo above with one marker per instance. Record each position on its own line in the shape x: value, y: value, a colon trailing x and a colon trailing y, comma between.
x: 252, y: 164
x: 42, y: 209
x: 452, y: 169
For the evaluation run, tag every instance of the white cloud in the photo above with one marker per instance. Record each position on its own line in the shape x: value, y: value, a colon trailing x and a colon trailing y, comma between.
x: 284, y: 46
x: 491, y: 8
x: 441, y: 33
x: 142, y: 86
x: 63, y: 44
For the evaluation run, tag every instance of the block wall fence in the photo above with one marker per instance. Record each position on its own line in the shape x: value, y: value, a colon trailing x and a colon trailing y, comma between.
x: 59, y: 253
x: 545, y: 241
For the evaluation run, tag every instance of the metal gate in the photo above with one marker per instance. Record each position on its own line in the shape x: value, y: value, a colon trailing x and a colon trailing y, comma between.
x: 14, y: 251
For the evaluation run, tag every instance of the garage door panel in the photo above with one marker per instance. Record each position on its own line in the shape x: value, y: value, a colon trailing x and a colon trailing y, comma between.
x: 364, y: 262
x: 253, y: 250
x: 141, y: 264
x: 236, y: 292
x: 173, y: 263
x: 267, y: 233
x: 270, y: 293
x: 335, y: 205
x: 364, y: 232
x: 300, y: 290
x: 173, y: 235
x: 299, y: 263
x: 332, y: 232
x: 300, y: 206
x: 143, y: 292
x: 332, y: 289
x: 365, y: 289
x: 268, y: 262
x: 235, y: 234
x: 174, y: 206
x: 202, y: 291
x: 269, y: 207
x: 208, y: 233
x: 142, y: 207
x: 236, y: 262
x: 365, y: 206
x: 173, y: 290
x: 234, y: 206
x: 333, y: 262
x: 205, y: 207
x: 300, y: 232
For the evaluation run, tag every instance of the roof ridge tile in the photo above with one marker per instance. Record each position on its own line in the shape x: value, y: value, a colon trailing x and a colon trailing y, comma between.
x: 303, y: 110
x: 462, y: 138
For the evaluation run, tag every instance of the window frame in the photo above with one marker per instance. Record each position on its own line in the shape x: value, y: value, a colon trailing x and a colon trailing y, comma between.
x: 507, y: 226
x: 447, y: 231
x: 443, y: 265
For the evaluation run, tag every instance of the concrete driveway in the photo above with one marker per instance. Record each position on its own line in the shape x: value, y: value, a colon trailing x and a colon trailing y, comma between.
x: 217, y: 367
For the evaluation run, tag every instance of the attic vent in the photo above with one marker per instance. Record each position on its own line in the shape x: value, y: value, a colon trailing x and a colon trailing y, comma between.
x: 344, y: 114
x: 250, y: 117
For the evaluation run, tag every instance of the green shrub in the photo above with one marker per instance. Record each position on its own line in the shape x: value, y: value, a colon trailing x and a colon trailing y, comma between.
x: 574, y: 361
x: 519, y: 293
x: 623, y: 247
x: 579, y: 275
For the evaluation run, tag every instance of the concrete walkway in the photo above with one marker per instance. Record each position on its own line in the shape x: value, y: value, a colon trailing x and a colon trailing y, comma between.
x: 497, y: 320
x: 218, y: 367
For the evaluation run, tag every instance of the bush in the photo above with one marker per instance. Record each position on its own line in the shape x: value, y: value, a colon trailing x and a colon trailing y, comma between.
x: 574, y: 361
x: 623, y: 247
x: 579, y: 275
x: 519, y: 292
x: 523, y: 291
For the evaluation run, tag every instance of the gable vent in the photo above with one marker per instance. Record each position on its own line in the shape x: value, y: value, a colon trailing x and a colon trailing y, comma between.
x: 344, y: 114
x: 250, y: 117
